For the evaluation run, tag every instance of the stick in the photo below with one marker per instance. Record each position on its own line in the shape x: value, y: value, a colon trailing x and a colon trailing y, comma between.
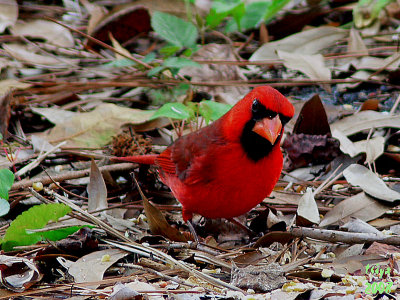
x: 336, y: 236
x: 70, y: 175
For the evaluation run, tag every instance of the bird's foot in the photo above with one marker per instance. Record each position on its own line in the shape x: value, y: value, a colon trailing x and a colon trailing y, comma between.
x: 193, y: 231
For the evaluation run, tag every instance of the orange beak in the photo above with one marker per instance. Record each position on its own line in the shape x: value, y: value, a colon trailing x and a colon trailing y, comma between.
x: 269, y: 128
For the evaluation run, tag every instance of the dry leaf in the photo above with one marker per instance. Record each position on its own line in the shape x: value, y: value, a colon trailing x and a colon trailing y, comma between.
x: 24, y: 54
x: 365, y: 120
x: 390, y: 63
x: 52, y: 32
x: 312, y: 118
x: 6, y: 87
x: 95, y: 128
x: 158, y: 224
x: 307, y: 208
x: 357, y: 225
x: 280, y: 197
x: 260, y: 278
x: 371, y: 184
x: 9, y: 85
x: 305, y: 149
x: 96, y: 12
x: 54, y: 115
x: 360, y: 206
x: 356, y: 44
x: 18, y: 273
x: 121, y: 49
x: 311, y: 65
x: 373, y: 147
x: 91, y: 267
x: 8, y: 14
x: 217, y: 72
x: 96, y: 189
x: 123, y: 23
x: 306, y: 42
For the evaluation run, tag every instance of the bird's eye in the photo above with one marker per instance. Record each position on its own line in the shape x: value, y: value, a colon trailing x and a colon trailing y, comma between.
x: 270, y: 114
x: 255, y: 106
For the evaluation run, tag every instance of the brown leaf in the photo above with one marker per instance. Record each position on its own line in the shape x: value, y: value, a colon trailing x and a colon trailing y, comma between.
x: 304, y: 149
x: 18, y: 273
x: 274, y: 236
x: 312, y: 118
x: 157, y: 222
x: 370, y: 104
x: 381, y: 249
x: 259, y: 278
x: 123, y: 25
x: 5, y: 112
x: 359, y: 206
x: 96, y: 189
x: 248, y: 258
x: 314, y: 275
x: 6, y: 88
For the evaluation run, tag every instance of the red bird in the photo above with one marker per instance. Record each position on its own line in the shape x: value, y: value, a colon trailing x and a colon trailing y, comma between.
x: 228, y: 167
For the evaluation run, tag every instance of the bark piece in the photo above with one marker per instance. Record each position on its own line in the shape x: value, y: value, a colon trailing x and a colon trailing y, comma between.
x: 259, y: 278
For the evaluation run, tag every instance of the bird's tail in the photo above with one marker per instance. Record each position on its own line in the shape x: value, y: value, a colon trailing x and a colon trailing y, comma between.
x: 147, y: 159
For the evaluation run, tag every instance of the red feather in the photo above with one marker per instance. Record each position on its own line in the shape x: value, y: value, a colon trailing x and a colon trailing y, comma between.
x: 210, y: 172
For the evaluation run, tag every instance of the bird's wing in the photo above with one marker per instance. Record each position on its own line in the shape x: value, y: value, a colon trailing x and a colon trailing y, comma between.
x: 192, y: 157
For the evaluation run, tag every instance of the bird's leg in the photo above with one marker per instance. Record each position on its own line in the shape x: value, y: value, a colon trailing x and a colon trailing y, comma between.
x: 192, y: 231
x: 240, y: 225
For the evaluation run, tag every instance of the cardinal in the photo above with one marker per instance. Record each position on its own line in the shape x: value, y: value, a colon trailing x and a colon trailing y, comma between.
x: 225, y: 169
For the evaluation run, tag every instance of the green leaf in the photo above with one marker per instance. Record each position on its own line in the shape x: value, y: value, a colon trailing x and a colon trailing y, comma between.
x: 174, y: 110
x: 34, y: 218
x: 179, y: 62
x: 274, y: 7
x: 6, y: 181
x: 59, y: 234
x: 254, y: 14
x: 149, y: 58
x: 213, y: 19
x: 155, y: 71
x: 238, y: 13
x: 252, y: 17
x: 120, y: 63
x: 212, y: 110
x: 4, y: 207
x: 366, y: 12
x: 225, y: 6
x: 174, y: 30
x: 169, y: 50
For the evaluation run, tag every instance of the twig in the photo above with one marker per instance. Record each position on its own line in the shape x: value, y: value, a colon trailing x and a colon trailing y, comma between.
x: 94, y: 40
x: 110, y: 230
x: 38, y: 160
x: 336, y: 236
x: 135, y: 247
x: 394, y: 107
x: 328, y: 181
x: 70, y: 175
x: 163, y: 276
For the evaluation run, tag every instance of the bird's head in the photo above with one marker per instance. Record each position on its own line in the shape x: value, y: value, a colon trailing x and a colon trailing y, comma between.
x: 258, y: 120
